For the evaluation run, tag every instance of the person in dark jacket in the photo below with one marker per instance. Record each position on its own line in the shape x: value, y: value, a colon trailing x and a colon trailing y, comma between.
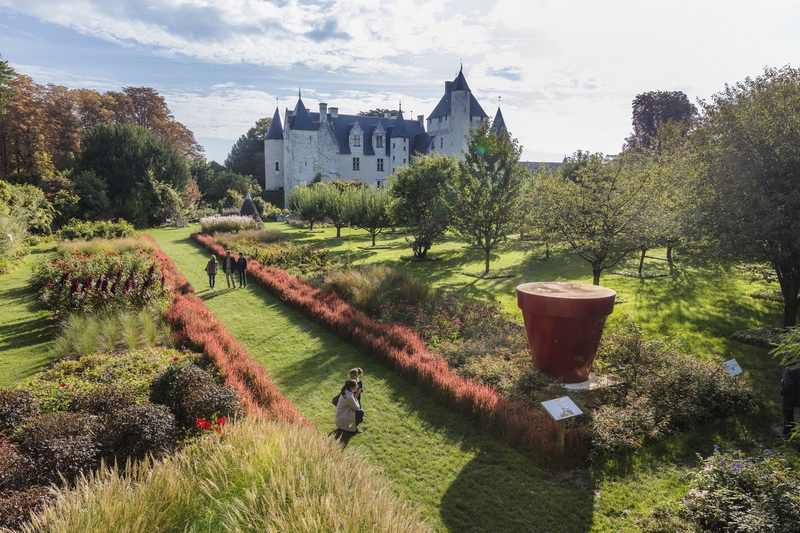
x: 229, y: 267
x: 790, y: 392
x: 241, y: 266
x: 211, y: 270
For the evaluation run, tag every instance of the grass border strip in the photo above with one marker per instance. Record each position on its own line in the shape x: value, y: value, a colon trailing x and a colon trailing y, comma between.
x: 514, y: 423
x: 194, y: 324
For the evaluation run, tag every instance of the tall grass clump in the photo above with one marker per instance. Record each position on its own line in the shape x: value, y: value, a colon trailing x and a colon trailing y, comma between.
x: 232, y: 223
x: 250, y: 236
x: 258, y: 476
x: 370, y: 287
x: 85, y: 333
x: 98, y: 245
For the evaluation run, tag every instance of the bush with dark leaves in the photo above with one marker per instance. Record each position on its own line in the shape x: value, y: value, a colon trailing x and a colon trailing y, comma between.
x: 143, y: 429
x: 16, y: 507
x: 62, y: 442
x: 16, y: 470
x: 105, y: 400
x: 15, y: 406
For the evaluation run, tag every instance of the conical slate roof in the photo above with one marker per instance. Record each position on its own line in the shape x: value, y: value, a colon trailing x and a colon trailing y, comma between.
x: 399, y: 130
x: 249, y: 209
x: 499, y: 123
x: 275, y: 130
x: 302, y: 120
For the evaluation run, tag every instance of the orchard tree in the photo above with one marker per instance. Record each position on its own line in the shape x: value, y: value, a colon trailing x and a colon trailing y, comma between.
x: 653, y: 109
x: 247, y: 154
x: 602, y: 212
x: 749, y: 143
x: 308, y: 203
x: 369, y: 208
x: 422, y: 196
x: 488, y: 189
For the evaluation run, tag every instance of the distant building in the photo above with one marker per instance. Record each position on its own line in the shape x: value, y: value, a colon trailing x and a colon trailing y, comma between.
x: 368, y: 149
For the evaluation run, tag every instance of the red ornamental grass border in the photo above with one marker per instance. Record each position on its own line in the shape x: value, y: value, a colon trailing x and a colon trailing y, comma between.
x: 514, y: 423
x: 196, y: 326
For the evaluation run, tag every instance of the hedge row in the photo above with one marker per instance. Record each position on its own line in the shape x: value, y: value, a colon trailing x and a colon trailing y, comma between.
x: 195, y: 326
x: 514, y: 423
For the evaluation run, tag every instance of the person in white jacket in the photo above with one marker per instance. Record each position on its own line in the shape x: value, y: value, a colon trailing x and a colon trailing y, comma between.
x: 349, y: 413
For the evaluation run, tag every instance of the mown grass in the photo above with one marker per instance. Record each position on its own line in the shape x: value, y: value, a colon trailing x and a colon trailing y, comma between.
x: 460, y: 478
x: 26, y: 331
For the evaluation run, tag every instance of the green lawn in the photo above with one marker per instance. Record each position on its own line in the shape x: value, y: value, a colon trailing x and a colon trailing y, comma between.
x: 26, y: 332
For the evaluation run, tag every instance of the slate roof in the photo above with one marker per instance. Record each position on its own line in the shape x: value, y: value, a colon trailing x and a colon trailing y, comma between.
x: 499, y: 123
x: 442, y: 109
x: 275, y: 130
x: 300, y: 118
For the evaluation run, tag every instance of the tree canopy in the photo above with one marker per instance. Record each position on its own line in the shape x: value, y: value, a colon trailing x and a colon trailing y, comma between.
x: 653, y: 109
x: 247, y: 154
x: 749, y: 147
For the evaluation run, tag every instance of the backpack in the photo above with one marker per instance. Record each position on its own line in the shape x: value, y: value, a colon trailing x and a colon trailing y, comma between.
x: 335, y: 400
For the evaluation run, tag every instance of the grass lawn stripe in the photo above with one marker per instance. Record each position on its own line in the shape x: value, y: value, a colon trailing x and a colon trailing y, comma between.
x: 26, y: 331
x: 461, y: 478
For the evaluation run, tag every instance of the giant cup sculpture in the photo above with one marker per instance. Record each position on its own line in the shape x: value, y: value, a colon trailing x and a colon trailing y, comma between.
x: 564, y: 323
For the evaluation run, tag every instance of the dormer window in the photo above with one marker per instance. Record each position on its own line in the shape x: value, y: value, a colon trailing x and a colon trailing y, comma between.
x: 379, y: 141
x: 356, y: 140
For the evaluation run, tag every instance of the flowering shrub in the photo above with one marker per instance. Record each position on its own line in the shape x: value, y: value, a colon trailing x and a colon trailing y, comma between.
x: 84, y: 282
x: 15, y: 406
x: 84, y: 230
x: 737, y: 494
x: 227, y: 223
x: 213, y: 425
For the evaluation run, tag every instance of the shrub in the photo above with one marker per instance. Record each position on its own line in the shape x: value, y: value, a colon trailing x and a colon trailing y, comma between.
x: 142, y: 429
x: 85, y: 230
x: 763, y: 337
x: 16, y: 470
x: 16, y: 507
x: 62, y: 443
x: 227, y: 223
x: 209, y: 401
x: 737, y: 494
x: 286, y: 255
x: 98, y: 245
x: 16, y: 406
x: 105, y: 400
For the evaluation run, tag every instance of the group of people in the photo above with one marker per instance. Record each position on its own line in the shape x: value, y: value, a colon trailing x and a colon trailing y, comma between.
x: 230, y: 265
x: 349, y: 413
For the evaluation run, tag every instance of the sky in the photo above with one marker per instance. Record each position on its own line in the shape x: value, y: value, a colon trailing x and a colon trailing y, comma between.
x: 563, y: 72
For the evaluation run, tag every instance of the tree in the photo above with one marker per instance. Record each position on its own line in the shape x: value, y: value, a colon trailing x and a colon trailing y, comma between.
x: 247, y: 154
x: 653, y: 109
x: 422, y: 198
x: 92, y: 191
x: 6, y: 75
x: 379, y: 113
x: 336, y: 207
x: 602, y: 213
x: 231, y: 181
x: 489, y: 186
x: 128, y: 159
x: 29, y: 205
x: 536, y: 211
x: 308, y: 202
x: 369, y: 208
x: 749, y: 148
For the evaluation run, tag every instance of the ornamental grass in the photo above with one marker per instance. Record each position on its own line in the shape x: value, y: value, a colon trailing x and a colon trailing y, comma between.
x: 194, y: 325
x: 254, y: 476
x: 514, y: 423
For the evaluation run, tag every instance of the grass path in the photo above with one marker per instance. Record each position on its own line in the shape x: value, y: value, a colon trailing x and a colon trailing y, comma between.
x: 462, y: 479
x: 26, y: 332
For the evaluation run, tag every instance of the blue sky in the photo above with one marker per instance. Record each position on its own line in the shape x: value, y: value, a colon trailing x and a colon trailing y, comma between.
x: 565, y: 72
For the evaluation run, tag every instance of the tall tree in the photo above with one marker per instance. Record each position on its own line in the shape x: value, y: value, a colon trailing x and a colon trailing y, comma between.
x: 749, y: 143
x: 653, y: 109
x: 6, y: 75
x: 247, y: 154
x: 602, y: 212
x: 489, y: 189
x: 422, y: 199
x: 130, y: 160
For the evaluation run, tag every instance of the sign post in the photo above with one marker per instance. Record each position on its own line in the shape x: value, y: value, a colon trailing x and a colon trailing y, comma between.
x: 561, y: 409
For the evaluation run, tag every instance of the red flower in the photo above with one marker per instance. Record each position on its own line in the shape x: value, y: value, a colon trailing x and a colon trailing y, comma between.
x: 73, y: 389
x: 221, y: 421
x: 175, y: 358
x: 62, y: 384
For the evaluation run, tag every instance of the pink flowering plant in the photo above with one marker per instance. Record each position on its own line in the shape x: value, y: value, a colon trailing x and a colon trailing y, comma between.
x: 80, y: 281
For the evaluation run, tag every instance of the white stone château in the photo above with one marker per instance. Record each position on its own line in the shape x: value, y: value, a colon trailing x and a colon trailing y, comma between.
x: 368, y: 149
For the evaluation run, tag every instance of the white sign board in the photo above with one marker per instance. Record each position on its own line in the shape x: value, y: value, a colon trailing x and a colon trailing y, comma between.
x: 562, y: 408
x: 732, y: 367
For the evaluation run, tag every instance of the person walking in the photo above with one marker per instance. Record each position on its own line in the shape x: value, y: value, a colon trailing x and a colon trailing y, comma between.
x: 790, y: 392
x: 229, y: 267
x: 241, y: 266
x: 349, y: 413
x: 211, y: 270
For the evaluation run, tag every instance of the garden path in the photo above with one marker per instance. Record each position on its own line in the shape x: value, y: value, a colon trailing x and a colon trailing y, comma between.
x: 460, y: 478
x: 26, y: 332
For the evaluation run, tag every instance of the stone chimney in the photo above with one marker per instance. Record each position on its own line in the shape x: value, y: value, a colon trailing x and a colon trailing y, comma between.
x: 334, y: 112
x: 447, y: 86
x: 323, y: 113
x: 387, y: 114
x: 421, y: 120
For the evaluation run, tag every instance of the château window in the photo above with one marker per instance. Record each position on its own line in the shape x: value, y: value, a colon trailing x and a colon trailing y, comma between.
x: 404, y: 147
x: 379, y: 141
x: 380, y: 183
x: 380, y: 163
x: 441, y: 142
x: 356, y: 140
x: 277, y: 166
x: 356, y: 163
